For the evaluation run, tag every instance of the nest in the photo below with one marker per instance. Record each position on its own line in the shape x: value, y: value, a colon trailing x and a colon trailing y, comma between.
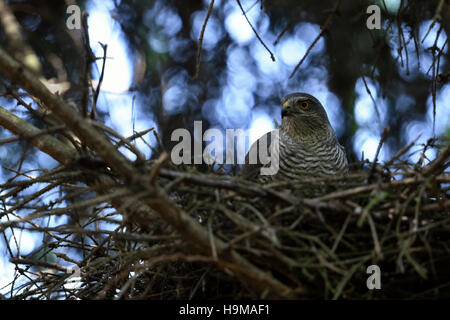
x: 380, y: 232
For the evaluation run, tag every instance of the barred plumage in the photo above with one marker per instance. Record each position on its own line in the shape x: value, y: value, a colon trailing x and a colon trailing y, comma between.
x: 308, y: 146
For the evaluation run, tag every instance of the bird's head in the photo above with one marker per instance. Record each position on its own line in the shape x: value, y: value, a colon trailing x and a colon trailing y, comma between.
x: 304, y: 117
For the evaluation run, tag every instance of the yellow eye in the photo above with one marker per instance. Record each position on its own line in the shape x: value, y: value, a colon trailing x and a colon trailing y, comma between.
x: 304, y: 105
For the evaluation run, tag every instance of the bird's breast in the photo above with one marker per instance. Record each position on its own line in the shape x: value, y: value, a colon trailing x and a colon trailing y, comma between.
x: 310, y: 159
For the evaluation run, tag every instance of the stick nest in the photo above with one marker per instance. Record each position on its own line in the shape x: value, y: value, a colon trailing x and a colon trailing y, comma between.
x: 393, y: 215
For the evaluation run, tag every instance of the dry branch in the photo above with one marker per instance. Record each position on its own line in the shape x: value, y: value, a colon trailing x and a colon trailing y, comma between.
x: 189, y: 229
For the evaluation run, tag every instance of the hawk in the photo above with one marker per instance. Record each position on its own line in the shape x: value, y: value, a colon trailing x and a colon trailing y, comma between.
x: 307, y: 143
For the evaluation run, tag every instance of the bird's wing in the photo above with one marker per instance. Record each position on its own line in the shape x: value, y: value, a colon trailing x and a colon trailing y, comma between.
x: 252, y: 171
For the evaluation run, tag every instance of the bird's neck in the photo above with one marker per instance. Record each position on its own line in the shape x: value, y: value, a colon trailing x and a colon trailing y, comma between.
x: 307, y: 131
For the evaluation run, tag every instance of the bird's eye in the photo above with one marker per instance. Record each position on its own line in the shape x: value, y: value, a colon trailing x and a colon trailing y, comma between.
x: 304, y: 105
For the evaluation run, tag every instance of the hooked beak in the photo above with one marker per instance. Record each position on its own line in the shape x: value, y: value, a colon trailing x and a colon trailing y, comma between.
x: 285, y: 110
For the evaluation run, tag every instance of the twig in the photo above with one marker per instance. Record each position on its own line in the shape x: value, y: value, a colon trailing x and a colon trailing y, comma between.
x: 122, y: 140
x: 88, y: 60
x: 376, y: 242
x: 38, y: 263
x: 200, y: 39
x: 282, y: 34
x: 370, y: 187
x: 44, y: 131
x: 371, y: 97
x: 133, y: 137
x: 323, y: 28
x: 256, y: 33
x: 438, y: 165
x: 401, y: 152
x: 380, y: 144
x: 437, y: 17
x: 157, y: 167
x: 97, y: 90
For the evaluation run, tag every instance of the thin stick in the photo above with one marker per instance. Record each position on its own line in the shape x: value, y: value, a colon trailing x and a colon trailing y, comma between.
x: 100, y: 80
x: 256, y: 33
x: 383, y: 138
x: 324, y: 29
x: 200, y: 40
x: 88, y: 59
x: 157, y: 166
x: 282, y: 34
x: 437, y: 17
x: 372, y: 98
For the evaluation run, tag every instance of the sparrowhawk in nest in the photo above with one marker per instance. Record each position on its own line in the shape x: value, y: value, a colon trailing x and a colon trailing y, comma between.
x: 308, y: 145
